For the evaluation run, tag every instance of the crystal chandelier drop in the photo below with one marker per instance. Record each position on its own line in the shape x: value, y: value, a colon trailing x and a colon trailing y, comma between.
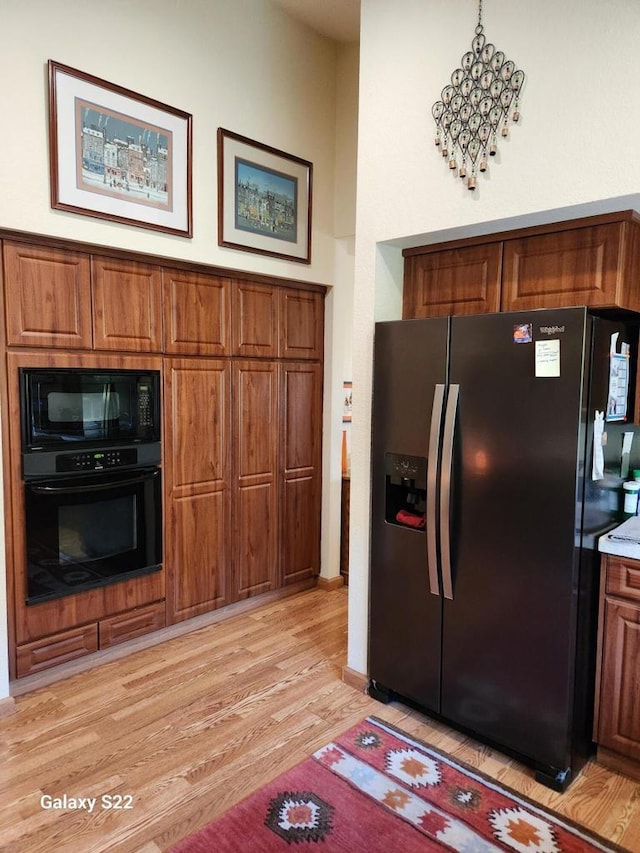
x: 479, y: 104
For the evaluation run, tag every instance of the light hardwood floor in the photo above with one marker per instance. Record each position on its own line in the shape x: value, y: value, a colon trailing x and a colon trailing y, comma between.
x: 189, y: 727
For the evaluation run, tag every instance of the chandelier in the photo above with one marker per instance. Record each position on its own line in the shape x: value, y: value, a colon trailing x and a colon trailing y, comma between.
x: 476, y: 107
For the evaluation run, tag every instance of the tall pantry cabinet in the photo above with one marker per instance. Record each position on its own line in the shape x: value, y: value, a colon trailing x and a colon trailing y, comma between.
x: 243, y: 449
x: 241, y: 364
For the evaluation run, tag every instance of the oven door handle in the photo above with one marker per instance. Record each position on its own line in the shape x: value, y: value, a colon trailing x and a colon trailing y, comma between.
x: 94, y: 487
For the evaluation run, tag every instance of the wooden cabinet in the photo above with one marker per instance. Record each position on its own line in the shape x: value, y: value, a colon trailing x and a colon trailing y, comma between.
x: 301, y: 324
x: 57, y: 649
x: 197, y: 476
x: 255, y: 478
x: 242, y: 426
x: 131, y: 624
x: 301, y: 431
x: 617, y: 726
x: 197, y: 313
x: 127, y: 306
x: 271, y: 322
x: 593, y: 261
x: 581, y: 266
x: 464, y: 280
x: 47, y: 297
x: 70, y: 300
x: 255, y: 319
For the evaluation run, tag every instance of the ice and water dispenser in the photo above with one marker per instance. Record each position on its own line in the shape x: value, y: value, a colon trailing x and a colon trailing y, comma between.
x: 405, y: 490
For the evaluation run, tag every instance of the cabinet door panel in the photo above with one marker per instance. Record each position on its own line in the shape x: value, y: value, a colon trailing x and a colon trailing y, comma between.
x: 197, y: 315
x: 301, y: 324
x: 197, y: 477
x: 255, y: 319
x: 453, y: 281
x: 619, y: 719
x: 580, y: 266
x: 255, y: 499
x: 127, y: 305
x: 198, y: 554
x: 47, y: 297
x: 301, y: 401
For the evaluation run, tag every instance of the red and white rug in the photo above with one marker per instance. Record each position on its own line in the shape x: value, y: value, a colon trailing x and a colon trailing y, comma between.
x: 375, y: 789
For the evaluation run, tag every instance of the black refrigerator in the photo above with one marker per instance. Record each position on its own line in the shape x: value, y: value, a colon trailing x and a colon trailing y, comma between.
x: 485, y: 519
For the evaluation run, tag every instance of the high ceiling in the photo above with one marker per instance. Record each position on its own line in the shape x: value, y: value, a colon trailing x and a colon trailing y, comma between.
x: 336, y: 19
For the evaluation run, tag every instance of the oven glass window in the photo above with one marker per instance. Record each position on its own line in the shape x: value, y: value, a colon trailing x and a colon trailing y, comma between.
x: 88, y: 532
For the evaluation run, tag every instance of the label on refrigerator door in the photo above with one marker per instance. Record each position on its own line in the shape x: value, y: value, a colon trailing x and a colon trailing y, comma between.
x: 548, y: 358
x: 618, y: 381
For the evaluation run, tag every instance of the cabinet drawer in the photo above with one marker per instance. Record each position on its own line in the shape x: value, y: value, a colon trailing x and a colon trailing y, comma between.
x: 623, y: 578
x: 127, y: 626
x: 60, y: 648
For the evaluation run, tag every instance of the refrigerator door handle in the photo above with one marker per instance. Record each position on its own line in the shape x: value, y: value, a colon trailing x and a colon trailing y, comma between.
x: 445, y: 489
x: 432, y: 488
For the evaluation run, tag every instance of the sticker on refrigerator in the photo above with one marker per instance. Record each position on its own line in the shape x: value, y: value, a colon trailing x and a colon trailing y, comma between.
x: 548, y: 358
x: 618, y: 380
x: 522, y: 333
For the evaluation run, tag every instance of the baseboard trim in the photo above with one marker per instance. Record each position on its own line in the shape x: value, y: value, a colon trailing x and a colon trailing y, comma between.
x: 355, y: 679
x: 329, y: 584
x: 7, y: 706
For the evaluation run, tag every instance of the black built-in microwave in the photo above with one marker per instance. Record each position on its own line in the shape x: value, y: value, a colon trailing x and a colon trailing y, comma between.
x: 78, y: 407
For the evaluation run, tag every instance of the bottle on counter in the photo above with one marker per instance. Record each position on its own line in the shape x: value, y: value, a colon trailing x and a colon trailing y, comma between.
x: 631, y: 491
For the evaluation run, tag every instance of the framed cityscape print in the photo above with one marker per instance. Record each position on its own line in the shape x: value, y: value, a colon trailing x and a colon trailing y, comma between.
x: 118, y: 155
x: 264, y: 199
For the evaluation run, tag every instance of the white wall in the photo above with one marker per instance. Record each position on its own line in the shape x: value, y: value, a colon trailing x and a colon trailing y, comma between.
x: 239, y: 64
x: 574, y: 152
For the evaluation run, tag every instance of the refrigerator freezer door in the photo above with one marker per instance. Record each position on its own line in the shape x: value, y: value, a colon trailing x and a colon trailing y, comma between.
x: 509, y: 634
x: 405, y: 617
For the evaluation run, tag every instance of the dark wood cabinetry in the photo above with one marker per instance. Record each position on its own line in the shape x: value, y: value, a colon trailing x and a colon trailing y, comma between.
x: 197, y: 313
x: 197, y: 473
x: 441, y: 282
x: 255, y: 320
x: 127, y: 305
x: 47, y: 297
x: 255, y: 477
x: 593, y: 261
x: 241, y: 360
x: 617, y: 727
x: 301, y: 400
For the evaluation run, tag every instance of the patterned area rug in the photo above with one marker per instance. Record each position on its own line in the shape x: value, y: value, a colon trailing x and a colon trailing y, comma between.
x: 376, y: 789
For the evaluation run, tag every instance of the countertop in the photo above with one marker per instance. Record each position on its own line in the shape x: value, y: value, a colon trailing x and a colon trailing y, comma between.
x: 623, y: 540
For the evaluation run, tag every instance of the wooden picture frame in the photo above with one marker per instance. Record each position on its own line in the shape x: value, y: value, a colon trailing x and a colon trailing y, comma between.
x: 118, y: 155
x: 264, y: 199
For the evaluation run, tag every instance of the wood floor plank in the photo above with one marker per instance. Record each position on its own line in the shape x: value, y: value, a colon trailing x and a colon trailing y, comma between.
x: 193, y: 725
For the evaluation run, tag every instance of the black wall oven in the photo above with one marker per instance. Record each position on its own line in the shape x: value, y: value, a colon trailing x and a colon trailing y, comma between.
x: 92, y: 478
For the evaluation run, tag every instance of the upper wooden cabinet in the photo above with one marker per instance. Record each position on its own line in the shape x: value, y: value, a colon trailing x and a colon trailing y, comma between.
x: 197, y: 313
x: 277, y: 321
x: 255, y: 319
x: 582, y: 266
x: 301, y: 324
x: 127, y: 312
x: 465, y: 280
x: 593, y: 261
x: 47, y: 297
